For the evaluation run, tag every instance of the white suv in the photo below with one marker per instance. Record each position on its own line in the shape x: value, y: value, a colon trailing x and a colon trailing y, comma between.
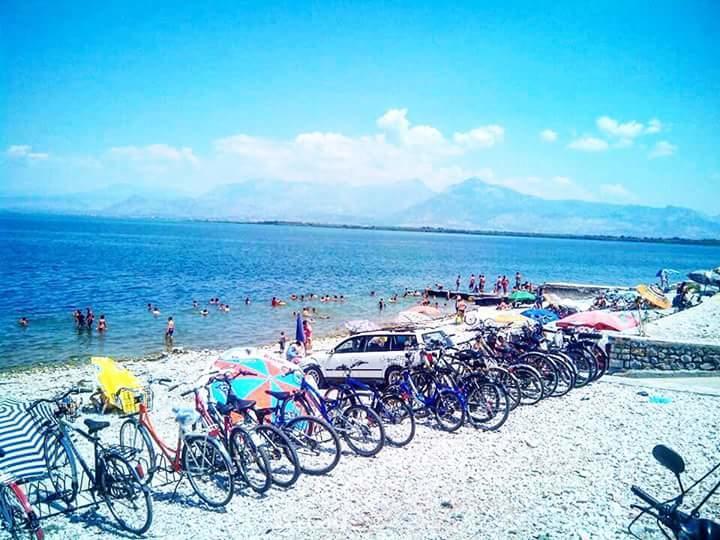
x: 383, y: 352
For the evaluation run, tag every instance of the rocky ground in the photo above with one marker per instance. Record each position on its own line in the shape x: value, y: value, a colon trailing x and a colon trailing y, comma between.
x: 699, y: 324
x: 561, y: 469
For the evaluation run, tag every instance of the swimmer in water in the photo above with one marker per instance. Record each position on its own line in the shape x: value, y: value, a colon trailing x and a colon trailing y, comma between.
x: 23, y: 322
x: 102, y: 323
x: 204, y: 312
x: 150, y: 308
x: 247, y: 300
x: 169, y: 329
x: 155, y: 311
x: 195, y: 304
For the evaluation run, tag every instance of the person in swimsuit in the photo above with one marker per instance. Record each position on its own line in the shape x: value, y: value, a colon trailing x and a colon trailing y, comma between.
x: 89, y: 317
x: 102, y: 323
x: 170, y: 329
x: 307, y: 330
x: 23, y: 322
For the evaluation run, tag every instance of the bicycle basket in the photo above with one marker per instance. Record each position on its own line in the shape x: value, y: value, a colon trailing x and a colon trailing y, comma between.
x: 129, y: 400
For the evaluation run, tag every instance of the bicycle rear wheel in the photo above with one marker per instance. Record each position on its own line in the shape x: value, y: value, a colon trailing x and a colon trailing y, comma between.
x: 531, y: 384
x: 251, y: 461
x: 509, y: 382
x: 316, y: 443
x: 362, y: 430
x: 284, y: 461
x: 16, y: 515
x: 488, y: 406
x: 128, y: 499
x: 208, y: 468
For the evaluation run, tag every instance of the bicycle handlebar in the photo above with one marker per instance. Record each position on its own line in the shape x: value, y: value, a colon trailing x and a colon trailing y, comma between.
x: 646, y: 497
x: 59, y: 397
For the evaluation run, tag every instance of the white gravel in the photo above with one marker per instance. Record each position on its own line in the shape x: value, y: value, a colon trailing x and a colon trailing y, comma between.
x: 699, y: 324
x: 562, y: 469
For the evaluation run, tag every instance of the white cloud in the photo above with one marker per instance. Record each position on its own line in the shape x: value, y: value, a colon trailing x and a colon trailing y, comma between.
x: 395, y: 122
x: 589, y: 144
x: 24, y: 151
x: 654, y: 126
x: 616, y: 191
x: 612, y: 127
x: 562, y: 180
x: 481, y: 137
x: 548, y: 135
x: 662, y: 149
x: 155, y: 152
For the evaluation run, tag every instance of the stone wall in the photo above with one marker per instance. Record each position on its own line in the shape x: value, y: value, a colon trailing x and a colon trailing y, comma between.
x: 642, y: 353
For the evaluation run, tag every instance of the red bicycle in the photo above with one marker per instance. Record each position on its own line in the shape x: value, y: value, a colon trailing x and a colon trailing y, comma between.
x: 16, y: 515
x: 198, y: 456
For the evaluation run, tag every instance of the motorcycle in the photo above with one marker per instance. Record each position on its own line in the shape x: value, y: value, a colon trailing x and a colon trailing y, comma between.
x: 684, y: 526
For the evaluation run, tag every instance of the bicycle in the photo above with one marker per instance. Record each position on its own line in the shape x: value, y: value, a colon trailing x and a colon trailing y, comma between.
x: 16, y: 514
x: 396, y: 415
x: 358, y: 425
x: 420, y: 389
x: 198, y: 456
x: 111, y: 476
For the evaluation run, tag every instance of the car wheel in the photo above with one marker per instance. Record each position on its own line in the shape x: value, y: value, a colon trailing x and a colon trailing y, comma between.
x: 392, y: 375
x: 314, y: 373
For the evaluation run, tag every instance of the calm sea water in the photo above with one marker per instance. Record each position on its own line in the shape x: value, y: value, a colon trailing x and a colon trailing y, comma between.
x: 50, y: 266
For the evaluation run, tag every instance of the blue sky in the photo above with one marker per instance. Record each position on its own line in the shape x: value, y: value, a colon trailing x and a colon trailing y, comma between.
x: 182, y: 97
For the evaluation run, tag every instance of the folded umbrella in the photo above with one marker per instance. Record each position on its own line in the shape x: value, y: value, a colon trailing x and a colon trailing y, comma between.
x: 299, y: 330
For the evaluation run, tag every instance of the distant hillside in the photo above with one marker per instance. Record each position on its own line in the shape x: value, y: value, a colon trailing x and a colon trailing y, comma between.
x: 472, y: 204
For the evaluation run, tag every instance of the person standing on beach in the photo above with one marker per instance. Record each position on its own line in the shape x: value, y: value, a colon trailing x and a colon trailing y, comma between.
x: 282, y: 341
x: 505, y: 283
x: 457, y: 283
x: 307, y: 330
x: 481, y: 283
x: 518, y: 280
x: 460, y: 307
x: 169, y: 329
x: 471, y: 285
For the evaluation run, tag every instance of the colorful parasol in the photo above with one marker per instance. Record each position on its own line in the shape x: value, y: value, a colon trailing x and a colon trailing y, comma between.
x: 268, y: 373
x: 599, y: 320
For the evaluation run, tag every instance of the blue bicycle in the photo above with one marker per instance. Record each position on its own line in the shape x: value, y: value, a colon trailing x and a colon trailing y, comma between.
x: 359, y: 426
x: 396, y: 415
x: 420, y: 387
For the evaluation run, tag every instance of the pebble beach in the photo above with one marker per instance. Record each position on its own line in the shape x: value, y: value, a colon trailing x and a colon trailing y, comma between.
x: 560, y: 469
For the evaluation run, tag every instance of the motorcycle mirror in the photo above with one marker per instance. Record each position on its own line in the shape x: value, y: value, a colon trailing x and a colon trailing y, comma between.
x: 669, y: 459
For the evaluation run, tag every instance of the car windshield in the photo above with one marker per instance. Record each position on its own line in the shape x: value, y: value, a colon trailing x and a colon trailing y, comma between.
x: 435, y: 339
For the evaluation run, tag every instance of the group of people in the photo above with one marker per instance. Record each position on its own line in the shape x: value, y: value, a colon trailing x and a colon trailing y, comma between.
x: 225, y: 308
x: 85, y: 320
x: 501, y: 285
x: 297, y: 349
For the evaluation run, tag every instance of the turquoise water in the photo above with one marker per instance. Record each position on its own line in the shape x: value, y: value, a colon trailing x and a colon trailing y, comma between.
x: 50, y: 266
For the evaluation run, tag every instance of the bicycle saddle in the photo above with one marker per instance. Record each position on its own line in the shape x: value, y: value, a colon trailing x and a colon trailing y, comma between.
x: 185, y: 416
x: 235, y: 405
x: 94, y: 425
x: 278, y: 395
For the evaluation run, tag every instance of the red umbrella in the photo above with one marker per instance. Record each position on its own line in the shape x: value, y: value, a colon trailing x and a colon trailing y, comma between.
x: 599, y: 320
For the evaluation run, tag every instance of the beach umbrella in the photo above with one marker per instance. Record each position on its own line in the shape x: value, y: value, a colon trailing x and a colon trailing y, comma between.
x: 705, y: 277
x: 654, y: 296
x: 543, y: 316
x: 299, y: 330
x: 667, y: 271
x: 412, y: 317
x: 598, y: 320
x: 21, y: 437
x: 266, y: 373
x: 430, y: 311
x: 362, y: 325
x: 510, y: 318
x: 522, y: 296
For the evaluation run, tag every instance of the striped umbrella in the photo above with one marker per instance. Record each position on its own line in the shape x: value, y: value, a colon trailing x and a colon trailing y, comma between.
x: 21, y: 438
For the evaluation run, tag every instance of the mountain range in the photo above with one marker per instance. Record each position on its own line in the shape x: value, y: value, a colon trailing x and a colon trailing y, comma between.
x: 472, y: 204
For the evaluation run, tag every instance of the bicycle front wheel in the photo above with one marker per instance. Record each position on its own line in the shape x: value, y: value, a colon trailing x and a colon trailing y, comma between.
x: 62, y: 470
x: 134, y: 435
x: 208, y: 468
x: 362, y: 430
x: 250, y: 461
x: 397, y: 418
x: 126, y: 496
x: 449, y: 411
x: 316, y: 442
x: 488, y: 406
x: 284, y: 461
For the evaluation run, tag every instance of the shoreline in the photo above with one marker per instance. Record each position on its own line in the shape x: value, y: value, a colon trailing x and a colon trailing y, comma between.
x: 713, y: 242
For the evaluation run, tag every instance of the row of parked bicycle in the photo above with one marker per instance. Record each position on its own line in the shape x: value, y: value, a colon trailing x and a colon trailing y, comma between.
x: 224, y: 441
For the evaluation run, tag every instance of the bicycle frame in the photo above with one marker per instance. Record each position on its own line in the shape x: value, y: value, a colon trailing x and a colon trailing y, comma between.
x: 173, y: 455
